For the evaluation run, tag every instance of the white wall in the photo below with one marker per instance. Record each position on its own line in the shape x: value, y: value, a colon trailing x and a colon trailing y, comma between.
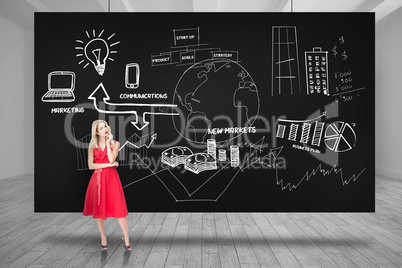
x: 12, y: 82
x: 28, y: 100
x: 389, y: 96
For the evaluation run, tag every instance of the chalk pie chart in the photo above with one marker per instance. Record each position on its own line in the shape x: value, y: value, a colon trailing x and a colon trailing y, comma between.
x: 339, y: 137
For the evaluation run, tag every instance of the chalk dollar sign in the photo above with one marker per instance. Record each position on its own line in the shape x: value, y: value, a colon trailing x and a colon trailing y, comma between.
x: 344, y: 55
x: 335, y: 52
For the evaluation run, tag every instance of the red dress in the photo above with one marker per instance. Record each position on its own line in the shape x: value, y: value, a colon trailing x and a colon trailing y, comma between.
x: 105, y: 196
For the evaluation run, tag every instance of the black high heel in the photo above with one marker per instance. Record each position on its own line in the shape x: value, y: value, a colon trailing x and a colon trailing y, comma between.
x: 104, y: 248
x: 128, y: 248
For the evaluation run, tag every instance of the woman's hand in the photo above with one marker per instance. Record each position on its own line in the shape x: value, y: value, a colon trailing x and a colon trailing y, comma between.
x: 109, y: 137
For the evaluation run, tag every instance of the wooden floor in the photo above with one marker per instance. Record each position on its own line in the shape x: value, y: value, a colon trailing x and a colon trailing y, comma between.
x: 202, y: 239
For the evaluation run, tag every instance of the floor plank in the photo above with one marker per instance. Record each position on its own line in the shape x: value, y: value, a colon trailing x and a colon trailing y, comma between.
x: 177, y: 250
x: 141, y: 251
x: 159, y: 252
x: 193, y: 258
x: 226, y: 246
x: 209, y: 249
x: 263, y: 252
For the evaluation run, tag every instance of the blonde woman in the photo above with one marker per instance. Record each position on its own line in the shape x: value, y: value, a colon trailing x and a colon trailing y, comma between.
x: 105, y: 197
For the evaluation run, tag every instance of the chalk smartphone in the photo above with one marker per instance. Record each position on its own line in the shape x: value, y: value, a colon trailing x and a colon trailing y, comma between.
x: 132, y: 75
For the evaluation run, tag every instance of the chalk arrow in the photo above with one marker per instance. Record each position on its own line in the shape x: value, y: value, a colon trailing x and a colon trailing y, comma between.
x: 100, y: 95
x: 141, y: 123
x: 153, y: 137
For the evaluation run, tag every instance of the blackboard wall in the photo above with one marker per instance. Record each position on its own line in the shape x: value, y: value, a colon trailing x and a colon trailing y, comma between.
x: 300, y: 148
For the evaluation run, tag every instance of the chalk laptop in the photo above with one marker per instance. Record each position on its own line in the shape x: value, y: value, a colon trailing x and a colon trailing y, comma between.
x: 60, y: 85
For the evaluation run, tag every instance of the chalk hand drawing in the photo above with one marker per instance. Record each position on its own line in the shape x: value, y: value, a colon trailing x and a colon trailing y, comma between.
x: 194, y: 94
x: 99, y: 95
x: 317, y: 71
x: 186, y: 37
x: 194, y: 162
x: 189, y: 50
x: 215, y: 185
x: 222, y: 155
x: 212, y: 186
x: 132, y: 76
x: 175, y: 156
x: 275, y: 152
x: 344, y: 55
x: 200, y: 162
x: 324, y: 172
x: 305, y: 125
x: 95, y: 50
x: 135, y: 149
x: 176, y: 186
x: 334, y: 52
x: 60, y: 85
x: 340, y: 137
x: 234, y: 156
x: 211, y: 147
x: 285, y: 61
x: 318, y: 129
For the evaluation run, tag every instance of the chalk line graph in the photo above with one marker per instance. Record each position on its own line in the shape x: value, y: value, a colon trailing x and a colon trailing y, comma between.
x: 307, y: 176
x: 137, y: 146
x: 262, y: 160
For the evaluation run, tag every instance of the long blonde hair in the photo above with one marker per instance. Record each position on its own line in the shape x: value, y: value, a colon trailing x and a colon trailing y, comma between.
x: 95, y: 137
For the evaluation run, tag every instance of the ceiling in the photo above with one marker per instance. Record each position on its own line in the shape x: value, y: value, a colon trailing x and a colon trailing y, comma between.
x: 22, y: 11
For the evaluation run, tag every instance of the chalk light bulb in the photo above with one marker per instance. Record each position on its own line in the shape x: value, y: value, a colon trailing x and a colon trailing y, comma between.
x: 97, y: 52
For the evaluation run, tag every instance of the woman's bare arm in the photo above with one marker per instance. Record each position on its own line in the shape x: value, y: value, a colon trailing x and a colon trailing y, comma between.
x: 92, y: 165
x: 112, y: 154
